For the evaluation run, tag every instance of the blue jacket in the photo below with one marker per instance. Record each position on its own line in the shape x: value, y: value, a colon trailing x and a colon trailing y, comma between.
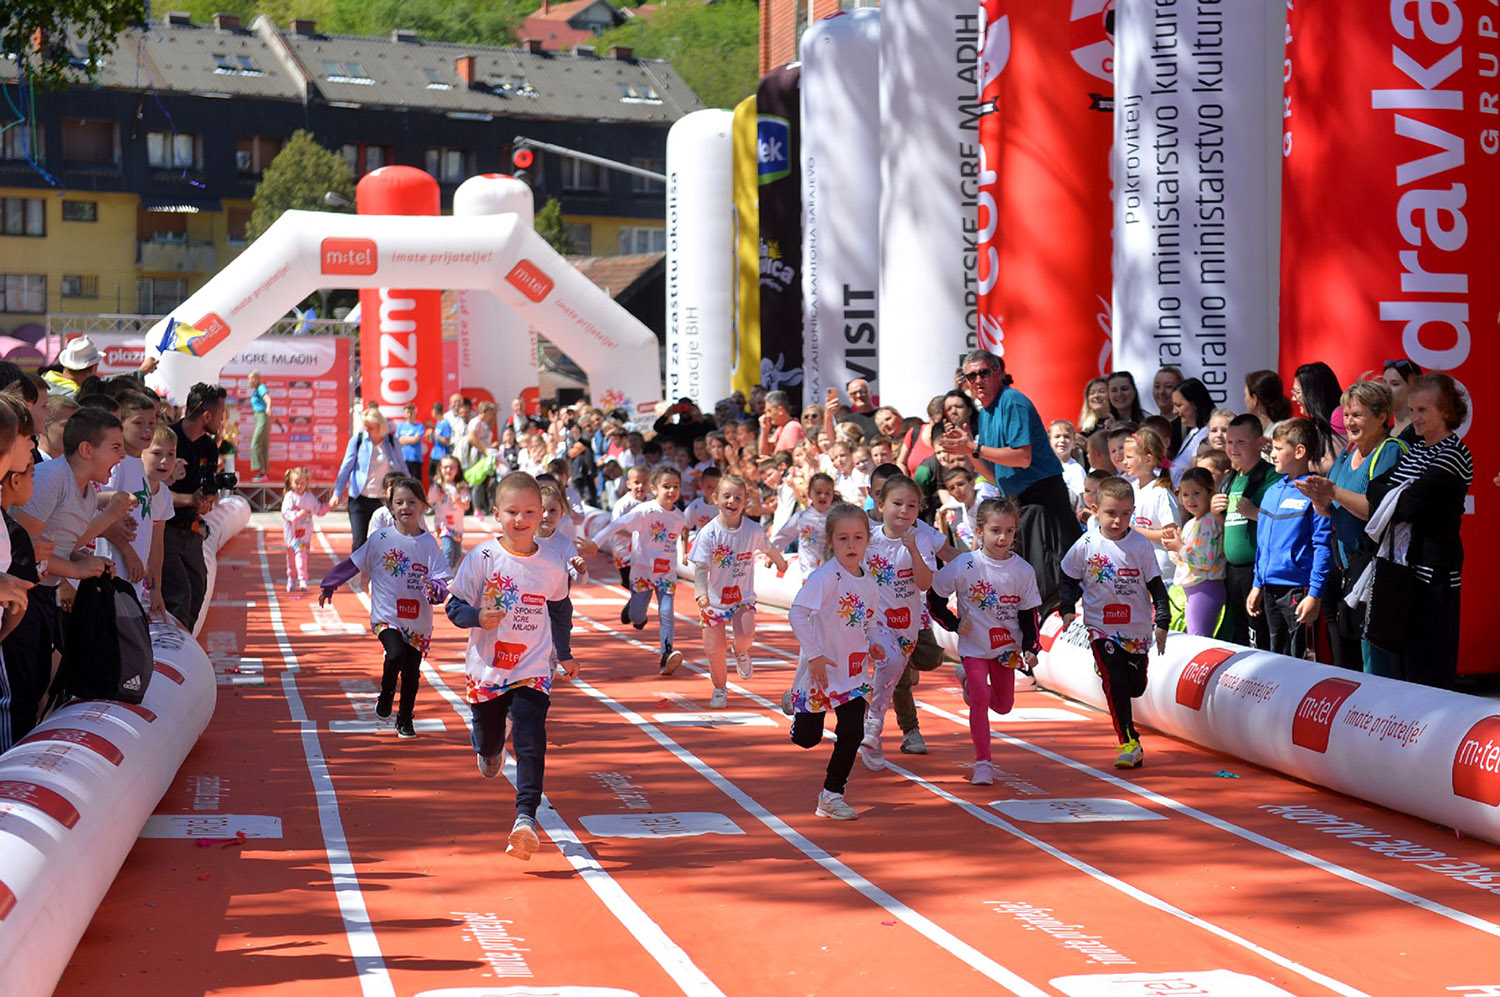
x: 1293, y: 544
x: 357, y: 462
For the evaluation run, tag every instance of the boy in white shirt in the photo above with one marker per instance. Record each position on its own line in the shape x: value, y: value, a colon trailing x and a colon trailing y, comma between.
x: 637, y: 490
x: 153, y: 500
x: 1064, y: 440
x: 655, y: 528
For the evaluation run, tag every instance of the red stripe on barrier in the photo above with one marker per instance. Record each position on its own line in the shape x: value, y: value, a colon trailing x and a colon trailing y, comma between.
x: 7, y: 901
x: 170, y: 672
x: 96, y: 743
x: 48, y: 801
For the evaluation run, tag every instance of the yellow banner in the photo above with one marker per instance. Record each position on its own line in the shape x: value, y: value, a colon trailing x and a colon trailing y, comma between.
x: 747, y: 250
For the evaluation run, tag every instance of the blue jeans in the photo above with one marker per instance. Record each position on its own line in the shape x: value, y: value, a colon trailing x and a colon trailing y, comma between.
x: 665, y: 608
x: 527, y: 708
x: 453, y: 550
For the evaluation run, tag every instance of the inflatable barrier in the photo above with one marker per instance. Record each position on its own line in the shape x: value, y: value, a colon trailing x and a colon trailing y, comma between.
x: 224, y: 522
x: 75, y: 793
x: 1426, y: 752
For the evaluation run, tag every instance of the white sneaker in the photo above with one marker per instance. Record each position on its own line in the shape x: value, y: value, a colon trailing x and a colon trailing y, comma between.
x: 718, y: 700
x: 492, y: 766
x: 984, y: 774
x: 872, y: 754
x: 743, y: 665
x: 835, y: 807
x: 523, y: 841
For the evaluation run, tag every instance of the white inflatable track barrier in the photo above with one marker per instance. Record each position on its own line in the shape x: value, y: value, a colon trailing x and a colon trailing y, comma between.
x: 74, y: 795
x: 224, y: 521
x: 1427, y: 752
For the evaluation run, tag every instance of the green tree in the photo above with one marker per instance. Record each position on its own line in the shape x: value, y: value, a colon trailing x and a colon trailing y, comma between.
x: 714, y: 47
x: 549, y: 225
x: 76, y: 35
x: 302, y: 172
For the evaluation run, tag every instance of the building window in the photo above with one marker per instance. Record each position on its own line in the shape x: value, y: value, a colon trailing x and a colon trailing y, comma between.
x: 159, y: 295
x: 172, y: 150
x: 253, y: 154
x: 238, y: 225
x: 364, y: 159
x: 23, y: 216
x: 90, y: 143
x: 638, y: 93
x: 643, y: 185
x: 449, y: 165
x: 581, y: 235
x: 79, y: 286
x: 435, y: 80
x: 235, y: 65
x: 346, y: 72
x: 80, y: 211
x: 579, y: 175
x: 16, y: 143
x: 640, y: 239
x: 23, y: 292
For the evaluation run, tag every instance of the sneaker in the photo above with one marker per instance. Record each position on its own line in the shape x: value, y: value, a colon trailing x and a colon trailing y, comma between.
x: 624, y: 614
x: 835, y: 807
x: 639, y: 626
x: 670, y: 659
x: 743, y: 665
x: 404, y: 727
x: 984, y: 774
x: 958, y: 671
x: 787, y: 699
x: 491, y: 767
x: 383, y: 704
x: 1130, y: 755
x: 523, y: 841
x: 873, y: 755
x: 719, y: 699
x: 912, y: 743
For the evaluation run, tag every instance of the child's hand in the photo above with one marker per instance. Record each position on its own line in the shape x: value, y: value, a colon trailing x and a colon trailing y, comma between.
x: 489, y: 619
x: 44, y: 550
x: 1308, y: 609
x: 580, y: 566
x: 1252, y: 602
x: 1029, y: 658
x: 1218, y: 504
x: 1248, y: 509
x: 1170, y: 539
x: 120, y: 503
x: 156, y: 606
x: 703, y: 602
x: 569, y: 667
x: 91, y: 566
x: 134, y: 569
x: 877, y: 652
x: 587, y: 547
x: 1161, y: 640
x: 817, y: 670
x: 965, y: 626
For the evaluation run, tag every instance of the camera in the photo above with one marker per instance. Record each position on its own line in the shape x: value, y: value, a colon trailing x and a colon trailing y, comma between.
x: 225, y: 480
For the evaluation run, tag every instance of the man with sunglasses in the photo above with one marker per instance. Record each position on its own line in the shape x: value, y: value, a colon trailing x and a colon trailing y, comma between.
x: 860, y: 411
x: 1012, y: 441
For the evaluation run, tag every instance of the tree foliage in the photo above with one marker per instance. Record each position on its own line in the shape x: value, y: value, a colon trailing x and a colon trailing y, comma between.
x: 76, y: 34
x: 549, y: 225
x: 476, y: 22
x: 713, y: 47
x: 297, y: 179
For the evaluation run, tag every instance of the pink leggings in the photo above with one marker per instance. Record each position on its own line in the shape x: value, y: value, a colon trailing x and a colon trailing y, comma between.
x: 981, y: 674
x: 296, y: 564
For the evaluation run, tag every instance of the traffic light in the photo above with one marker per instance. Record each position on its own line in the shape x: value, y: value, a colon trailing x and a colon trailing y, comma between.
x: 522, y: 159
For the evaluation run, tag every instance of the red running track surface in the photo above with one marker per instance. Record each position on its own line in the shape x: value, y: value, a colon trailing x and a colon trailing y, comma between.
x: 681, y: 853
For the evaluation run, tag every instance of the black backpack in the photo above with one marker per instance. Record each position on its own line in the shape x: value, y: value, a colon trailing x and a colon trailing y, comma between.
x: 107, y: 653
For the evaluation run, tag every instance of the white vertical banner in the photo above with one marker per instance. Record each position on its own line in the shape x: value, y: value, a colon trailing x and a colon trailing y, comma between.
x: 1197, y: 168
x: 840, y: 201
x: 700, y: 257
x: 929, y: 185
x: 496, y: 347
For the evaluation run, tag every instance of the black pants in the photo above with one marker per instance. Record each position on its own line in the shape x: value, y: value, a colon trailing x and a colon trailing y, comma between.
x: 483, y: 496
x: 1047, y: 530
x: 361, y: 508
x: 184, y: 577
x: 28, y: 660
x: 1431, y: 652
x: 527, y: 709
x: 1278, y: 604
x: 401, y: 659
x: 1124, y: 677
x: 1342, y: 622
x: 807, y: 731
x: 1244, y: 629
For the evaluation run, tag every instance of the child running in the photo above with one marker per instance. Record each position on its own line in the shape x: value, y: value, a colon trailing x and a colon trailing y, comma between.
x: 834, y: 620
x: 298, y: 507
x: 512, y: 596
x: 1114, y: 570
x: 654, y: 528
x: 723, y: 559
x: 1198, y: 552
x: 407, y: 571
x: 553, y: 540
x: 998, y: 600
x: 901, y: 560
x: 449, y: 496
x: 809, y: 528
x: 637, y: 490
x: 1155, y: 508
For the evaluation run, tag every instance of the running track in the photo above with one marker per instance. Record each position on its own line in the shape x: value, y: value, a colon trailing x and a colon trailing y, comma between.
x: 386, y: 874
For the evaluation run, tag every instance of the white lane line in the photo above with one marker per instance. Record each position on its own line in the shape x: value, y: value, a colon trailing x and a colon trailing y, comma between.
x: 364, y: 947
x: 667, y: 953
x: 994, y: 820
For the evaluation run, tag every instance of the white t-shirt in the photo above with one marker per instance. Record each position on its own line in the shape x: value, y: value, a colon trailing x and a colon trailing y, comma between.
x: 448, y: 504
x: 297, y: 512
x: 786, y: 507
x: 399, y: 567
x: 833, y: 616
x: 63, y: 509
x: 900, y: 601
x: 152, y: 507
x: 380, y: 466
x: 698, y: 514
x: 561, y: 546
x: 519, y: 651
x: 1073, y: 476
x: 730, y: 556
x: 620, y: 545
x: 852, y: 486
x: 382, y: 519
x: 991, y: 594
x: 1155, y: 508
x: 810, y: 529
x: 925, y: 530
x: 654, y: 533
x: 1116, y: 604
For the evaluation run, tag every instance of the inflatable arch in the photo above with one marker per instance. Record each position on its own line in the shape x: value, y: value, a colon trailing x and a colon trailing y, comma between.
x: 307, y: 250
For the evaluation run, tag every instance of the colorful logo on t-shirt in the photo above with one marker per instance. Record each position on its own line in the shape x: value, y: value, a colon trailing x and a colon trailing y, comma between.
x: 883, y: 571
x: 501, y: 592
x: 852, y: 609
x: 395, y: 563
x: 659, y: 533
x: 1099, y: 568
x: 721, y: 554
x: 983, y: 595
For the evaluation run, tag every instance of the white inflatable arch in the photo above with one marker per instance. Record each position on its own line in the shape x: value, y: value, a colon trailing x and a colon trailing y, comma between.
x: 308, y: 250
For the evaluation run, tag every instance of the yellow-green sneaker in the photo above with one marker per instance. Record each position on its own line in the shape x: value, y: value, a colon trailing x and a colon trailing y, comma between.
x: 1130, y: 755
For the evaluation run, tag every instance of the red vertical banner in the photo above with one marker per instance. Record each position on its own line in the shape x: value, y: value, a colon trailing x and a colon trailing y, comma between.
x: 401, y: 331
x: 1391, y: 214
x: 1046, y: 127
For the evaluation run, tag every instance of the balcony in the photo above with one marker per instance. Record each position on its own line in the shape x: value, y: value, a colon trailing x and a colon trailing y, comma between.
x: 162, y: 256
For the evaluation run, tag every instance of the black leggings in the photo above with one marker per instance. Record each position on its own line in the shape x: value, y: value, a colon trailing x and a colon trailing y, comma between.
x: 404, y: 660
x: 1124, y: 678
x: 807, y: 731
